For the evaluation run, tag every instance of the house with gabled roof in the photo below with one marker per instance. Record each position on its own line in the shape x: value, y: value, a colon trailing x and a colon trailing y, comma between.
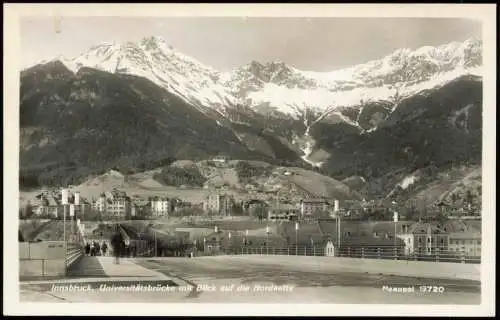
x: 425, y: 238
x: 464, y: 238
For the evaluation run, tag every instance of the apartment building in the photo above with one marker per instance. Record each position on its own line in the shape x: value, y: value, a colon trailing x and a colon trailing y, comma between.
x: 220, y: 204
x: 464, y: 238
x: 465, y: 243
x: 120, y: 207
x: 256, y: 207
x: 113, y: 204
x: 161, y: 207
x: 99, y: 204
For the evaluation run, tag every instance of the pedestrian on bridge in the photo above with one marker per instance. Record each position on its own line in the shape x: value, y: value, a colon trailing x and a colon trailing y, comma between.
x: 117, y: 243
x: 92, y: 249
x: 104, y: 248
x: 97, y: 249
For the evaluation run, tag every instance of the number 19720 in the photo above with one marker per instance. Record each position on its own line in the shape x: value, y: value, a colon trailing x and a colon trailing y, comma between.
x: 431, y: 289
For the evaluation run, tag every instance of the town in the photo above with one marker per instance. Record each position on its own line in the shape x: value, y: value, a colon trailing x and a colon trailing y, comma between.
x: 318, y: 225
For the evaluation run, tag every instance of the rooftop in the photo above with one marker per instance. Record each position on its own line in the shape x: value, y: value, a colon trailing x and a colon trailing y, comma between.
x: 319, y: 201
x: 425, y: 227
x: 369, y: 241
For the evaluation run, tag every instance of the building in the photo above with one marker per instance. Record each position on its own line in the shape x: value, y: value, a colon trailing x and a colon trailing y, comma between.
x: 161, y: 207
x: 50, y: 206
x: 463, y: 238
x: 212, y: 242
x: 220, y: 159
x: 113, y: 204
x: 55, y: 211
x: 218, y: 204
x: 120, y: 206
x: 100, y: 204
x: 389, y: 230
x: 352, y: 210
x: 256, y: 208
x: 141, y: 208
x: 465, y: 243
x: 311, y: 207
x: 369, y: 246
x: 307, y: 234
x: 238, y: 241
x: 283, y: 211
x: 425, y: 239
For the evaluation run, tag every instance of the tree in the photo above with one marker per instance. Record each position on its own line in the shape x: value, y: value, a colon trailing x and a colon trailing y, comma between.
x: 469, y: 197
x: 93, y: 215
x: 441, y: 218
x: 422, y: 207
x: 27, y: 211
x: 237, y: 209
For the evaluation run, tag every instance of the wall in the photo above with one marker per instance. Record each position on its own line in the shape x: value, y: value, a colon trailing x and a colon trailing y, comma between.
x: 42, y: 259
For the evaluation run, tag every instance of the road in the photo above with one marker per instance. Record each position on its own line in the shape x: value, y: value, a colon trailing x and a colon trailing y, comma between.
x: 309, y: 286
x: 266, y: 283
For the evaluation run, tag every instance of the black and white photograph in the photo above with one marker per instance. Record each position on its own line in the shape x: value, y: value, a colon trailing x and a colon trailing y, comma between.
x: 174, y: 158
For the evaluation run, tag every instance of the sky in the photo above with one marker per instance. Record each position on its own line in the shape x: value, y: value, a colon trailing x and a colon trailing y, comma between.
x: 224, y: 43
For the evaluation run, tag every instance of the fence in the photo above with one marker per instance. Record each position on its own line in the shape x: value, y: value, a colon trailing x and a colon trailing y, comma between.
x: 349, y: 252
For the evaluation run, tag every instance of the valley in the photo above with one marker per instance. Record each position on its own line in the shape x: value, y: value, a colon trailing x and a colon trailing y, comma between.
x: 404, y: 114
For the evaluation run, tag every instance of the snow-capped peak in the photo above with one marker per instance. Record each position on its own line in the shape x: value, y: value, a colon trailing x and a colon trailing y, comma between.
x: 277, y: 85
x: 400, y: 73
x: 153, y: 58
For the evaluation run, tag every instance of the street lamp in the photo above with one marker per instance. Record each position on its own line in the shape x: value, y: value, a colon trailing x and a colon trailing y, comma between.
x: 72, y: 222
x: 156, y: 243
x: 64, y: 202
x: 267, y: 239
x: 395, y: 217
x: 246, y: 239
x: 296, y: 238
x: 336, y: 211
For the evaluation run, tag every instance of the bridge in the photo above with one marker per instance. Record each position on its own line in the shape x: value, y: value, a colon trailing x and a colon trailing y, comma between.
x: 55, y: 274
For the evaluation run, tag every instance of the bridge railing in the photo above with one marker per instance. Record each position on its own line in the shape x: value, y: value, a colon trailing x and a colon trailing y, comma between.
x: 75, y: 241
x: 74, y: 251
x: 348, y: 252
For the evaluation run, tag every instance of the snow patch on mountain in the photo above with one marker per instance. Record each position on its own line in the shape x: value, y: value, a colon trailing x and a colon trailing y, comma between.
x: 408, y: 181
x: 306, y: 142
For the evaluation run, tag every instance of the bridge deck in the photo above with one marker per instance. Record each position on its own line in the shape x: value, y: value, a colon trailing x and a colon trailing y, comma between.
x: 96, y: 267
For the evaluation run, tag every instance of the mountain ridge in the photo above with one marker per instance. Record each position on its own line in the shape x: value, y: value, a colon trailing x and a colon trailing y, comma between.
x: 76, y: 123
x: 259, y: 83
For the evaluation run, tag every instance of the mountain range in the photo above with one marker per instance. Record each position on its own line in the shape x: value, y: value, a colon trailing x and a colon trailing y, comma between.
x: 140, y: 105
